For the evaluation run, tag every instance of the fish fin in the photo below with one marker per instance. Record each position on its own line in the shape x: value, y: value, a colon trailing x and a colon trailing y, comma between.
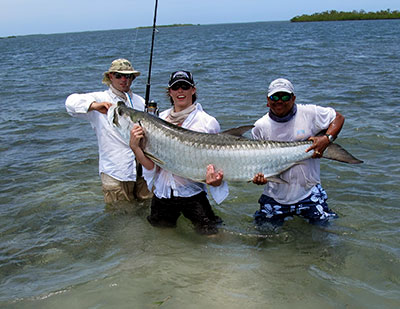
x: 321, y: 133
x: 153, y: 158
x: 275, y: 179
x: 239, y: 131
x: 338, y: 153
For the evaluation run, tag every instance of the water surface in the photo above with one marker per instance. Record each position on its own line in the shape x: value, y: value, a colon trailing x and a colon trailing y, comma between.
x: 59, y: 244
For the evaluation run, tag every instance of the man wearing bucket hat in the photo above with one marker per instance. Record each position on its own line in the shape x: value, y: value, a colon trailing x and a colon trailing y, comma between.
x: 117, y: 166
x: 301, y: 192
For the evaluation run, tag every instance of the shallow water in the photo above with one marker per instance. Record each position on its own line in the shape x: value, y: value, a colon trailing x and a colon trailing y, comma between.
x: 59, y: 244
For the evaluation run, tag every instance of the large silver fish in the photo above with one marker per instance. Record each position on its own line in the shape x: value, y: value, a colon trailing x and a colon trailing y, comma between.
x: 187, y: 153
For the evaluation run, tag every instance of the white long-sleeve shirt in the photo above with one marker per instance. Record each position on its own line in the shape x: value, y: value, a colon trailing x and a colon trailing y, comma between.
x: 301, y: 178
x: 116, y: 158
x: 165, y: 182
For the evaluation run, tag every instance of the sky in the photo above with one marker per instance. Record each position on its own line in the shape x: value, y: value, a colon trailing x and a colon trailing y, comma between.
x: 22, y: 17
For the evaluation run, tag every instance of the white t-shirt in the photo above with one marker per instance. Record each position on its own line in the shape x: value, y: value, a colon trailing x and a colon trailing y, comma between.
x: 164, y: 182
x: 308, y: 121
x: 116, y: 158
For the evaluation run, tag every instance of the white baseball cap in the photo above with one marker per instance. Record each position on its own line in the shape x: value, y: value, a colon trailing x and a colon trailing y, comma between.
x: 280, y: 85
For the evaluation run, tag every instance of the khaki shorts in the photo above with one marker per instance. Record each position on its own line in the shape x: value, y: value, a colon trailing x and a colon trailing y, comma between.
x: 115, y: 190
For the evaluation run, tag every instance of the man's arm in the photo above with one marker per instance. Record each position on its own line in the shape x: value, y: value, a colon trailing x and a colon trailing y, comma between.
x: 80, y: 104
x: 137, y: 135
x: 320, y: 143
x: 101, y: 107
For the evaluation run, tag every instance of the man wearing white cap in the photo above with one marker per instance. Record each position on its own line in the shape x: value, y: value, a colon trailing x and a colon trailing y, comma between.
x: 117, y: 166
x: 301, y: 192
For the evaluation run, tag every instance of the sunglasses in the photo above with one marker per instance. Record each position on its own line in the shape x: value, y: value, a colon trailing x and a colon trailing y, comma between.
x: 184, y: 86
x: 283, y: 96
x: 127, y: 76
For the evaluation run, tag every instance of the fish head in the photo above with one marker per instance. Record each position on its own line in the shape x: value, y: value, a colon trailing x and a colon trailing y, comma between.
x: 122, y: 119
x: 127, y: 112
x: 119, y: 113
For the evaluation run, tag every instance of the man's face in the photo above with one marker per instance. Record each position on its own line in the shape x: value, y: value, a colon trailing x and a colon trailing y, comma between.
x: 281, y: 103
x: 121, y: 82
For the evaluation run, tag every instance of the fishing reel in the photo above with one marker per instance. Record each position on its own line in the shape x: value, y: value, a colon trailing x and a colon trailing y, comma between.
x: 152, y: 108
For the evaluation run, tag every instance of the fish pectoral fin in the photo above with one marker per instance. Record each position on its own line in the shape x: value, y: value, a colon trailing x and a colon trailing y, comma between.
x: 153, y: 158
x: 276, y: 179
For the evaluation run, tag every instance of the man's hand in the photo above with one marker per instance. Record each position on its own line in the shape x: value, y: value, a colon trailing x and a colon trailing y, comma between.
x: 136, y: 144
x: 214, y: 178
x: 137, y: 134
x: 259, y: 179
x: 101, y: 107
x: 319, y: 145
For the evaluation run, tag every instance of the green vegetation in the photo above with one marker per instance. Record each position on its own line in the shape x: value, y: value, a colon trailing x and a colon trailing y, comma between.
x: 354, y: 15
x: 164, y: 26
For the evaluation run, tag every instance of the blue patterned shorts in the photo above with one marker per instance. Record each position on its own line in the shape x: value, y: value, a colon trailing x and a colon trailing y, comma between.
x: 313, y: 208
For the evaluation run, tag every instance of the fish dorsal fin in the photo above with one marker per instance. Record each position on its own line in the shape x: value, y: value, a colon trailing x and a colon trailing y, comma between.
x: 239, y: 131
x: 321, y: 133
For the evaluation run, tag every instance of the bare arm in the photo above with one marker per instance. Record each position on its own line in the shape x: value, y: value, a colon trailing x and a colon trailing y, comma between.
x: 321, y: 142
x: 137, y: 134
x: 101, y: 107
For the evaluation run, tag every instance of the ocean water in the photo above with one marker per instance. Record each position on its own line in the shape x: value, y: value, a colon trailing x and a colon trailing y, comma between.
x: 61, y: 246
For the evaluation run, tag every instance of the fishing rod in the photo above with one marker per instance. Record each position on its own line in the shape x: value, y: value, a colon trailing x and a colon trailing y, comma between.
x: 151, y: 107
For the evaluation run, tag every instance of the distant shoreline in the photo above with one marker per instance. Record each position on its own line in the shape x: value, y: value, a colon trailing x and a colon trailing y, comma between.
x: 167, y: 26
x: 8, y: 37
x: 341, y: 16
x: 141, y: 27
x: 302, y: 18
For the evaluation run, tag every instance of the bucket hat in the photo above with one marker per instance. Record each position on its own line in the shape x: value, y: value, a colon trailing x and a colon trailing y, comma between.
x: 122, y: 66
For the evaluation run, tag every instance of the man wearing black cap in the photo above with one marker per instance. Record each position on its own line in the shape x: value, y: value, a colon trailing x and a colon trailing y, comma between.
x: 300, y: 193
x: 174, y: 195
x: 117, y: 166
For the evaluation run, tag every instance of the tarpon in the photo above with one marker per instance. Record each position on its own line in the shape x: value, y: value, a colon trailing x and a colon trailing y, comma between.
x: 187, y: 153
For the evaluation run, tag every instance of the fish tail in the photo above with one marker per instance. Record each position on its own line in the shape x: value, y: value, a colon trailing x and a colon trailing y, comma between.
x: 338, y: 153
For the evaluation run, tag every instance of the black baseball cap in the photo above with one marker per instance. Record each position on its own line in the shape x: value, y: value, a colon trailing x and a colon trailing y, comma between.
x: 181, y: 76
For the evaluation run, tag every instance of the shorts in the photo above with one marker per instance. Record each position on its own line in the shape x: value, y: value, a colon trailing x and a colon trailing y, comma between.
x: 115, y: 190
x: 313, y: 208
x: 166, y: 211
